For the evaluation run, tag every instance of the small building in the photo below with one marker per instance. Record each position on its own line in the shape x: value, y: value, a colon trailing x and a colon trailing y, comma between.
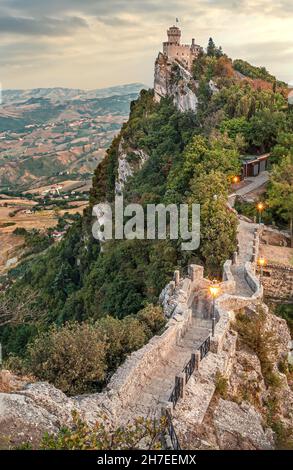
x: 253, y: 165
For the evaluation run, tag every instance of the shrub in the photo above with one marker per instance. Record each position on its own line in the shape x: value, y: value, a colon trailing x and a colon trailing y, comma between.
x: 122, y: 337
x: 221, y: 385
x: 72, y: 357
x: 152, y: 318
x: 283, y: 436
x: 141, y: 433
x: 252, y: 332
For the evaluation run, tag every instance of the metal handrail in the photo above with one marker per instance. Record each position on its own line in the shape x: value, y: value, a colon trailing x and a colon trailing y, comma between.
x: 205, y: 348
x: 172, y: 432
x: 189, y: 368
x: 176, y: 392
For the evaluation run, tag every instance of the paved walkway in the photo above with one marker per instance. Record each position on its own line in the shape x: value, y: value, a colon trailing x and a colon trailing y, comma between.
x: 245, y: 240
x: 158, y: 387
x: 254, y: 183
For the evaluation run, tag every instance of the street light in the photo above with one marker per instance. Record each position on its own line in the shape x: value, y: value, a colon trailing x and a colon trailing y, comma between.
x: 214, y: 290
x: 235, y: 179
x: 260, y: 207
x: 261, y: 262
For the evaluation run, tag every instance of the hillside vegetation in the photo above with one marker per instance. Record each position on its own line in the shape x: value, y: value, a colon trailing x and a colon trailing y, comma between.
x: 192, y: 158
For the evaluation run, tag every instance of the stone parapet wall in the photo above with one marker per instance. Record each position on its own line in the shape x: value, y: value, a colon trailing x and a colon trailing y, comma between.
x: 229, y: 302
x: 140, y: 364
x: 256, y: 242
x: 278, y: 282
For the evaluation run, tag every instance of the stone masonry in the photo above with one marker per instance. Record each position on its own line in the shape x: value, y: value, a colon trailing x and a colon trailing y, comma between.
x: 278, y: 282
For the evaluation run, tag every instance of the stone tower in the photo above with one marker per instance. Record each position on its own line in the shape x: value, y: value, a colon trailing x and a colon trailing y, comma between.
x: 185, y: 54
x: 174, y: 35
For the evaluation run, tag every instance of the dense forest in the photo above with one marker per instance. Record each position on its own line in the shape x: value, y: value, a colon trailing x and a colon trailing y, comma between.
x: 76, y: 294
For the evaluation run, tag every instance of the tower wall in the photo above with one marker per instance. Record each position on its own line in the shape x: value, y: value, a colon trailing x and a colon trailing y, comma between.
x: 184, y: 53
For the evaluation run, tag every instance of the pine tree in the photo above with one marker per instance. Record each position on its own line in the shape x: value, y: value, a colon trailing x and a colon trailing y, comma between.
x: 211, y: 49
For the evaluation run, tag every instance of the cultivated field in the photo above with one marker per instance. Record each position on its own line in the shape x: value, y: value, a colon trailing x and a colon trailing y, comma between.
x: 15, y: 213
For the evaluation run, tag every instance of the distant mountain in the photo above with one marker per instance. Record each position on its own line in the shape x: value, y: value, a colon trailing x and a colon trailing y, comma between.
x: 64, y: 94
x: 46, y: 132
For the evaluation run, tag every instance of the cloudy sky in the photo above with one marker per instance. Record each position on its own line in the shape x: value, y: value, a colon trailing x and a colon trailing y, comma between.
x: 98, y: 43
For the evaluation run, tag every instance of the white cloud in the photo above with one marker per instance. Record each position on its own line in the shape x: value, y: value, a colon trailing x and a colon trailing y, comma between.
x: 92, y: 43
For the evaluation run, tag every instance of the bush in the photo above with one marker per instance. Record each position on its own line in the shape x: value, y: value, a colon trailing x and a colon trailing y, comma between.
x: 221, y: 385
x: 122, y: 337
x: 252, y: 332
x: 72, y: 357
x: 141, y: 433
x: 283, y: 436
x: 152, y: 318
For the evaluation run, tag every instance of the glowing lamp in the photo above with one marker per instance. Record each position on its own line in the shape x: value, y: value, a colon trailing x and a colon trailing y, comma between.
x: 214, y: 289
x: 260, y: 206
x: 261, y: 262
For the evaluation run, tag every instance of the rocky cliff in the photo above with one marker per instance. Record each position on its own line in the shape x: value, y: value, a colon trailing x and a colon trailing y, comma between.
x: 129, y: 161
x: 172, y: 79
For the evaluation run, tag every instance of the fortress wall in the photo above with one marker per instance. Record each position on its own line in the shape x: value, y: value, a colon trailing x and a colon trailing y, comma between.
x: 176, y: 299
x: 140, y: 364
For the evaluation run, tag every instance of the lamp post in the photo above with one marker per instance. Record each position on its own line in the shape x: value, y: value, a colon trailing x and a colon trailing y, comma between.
x: 260, y: 207
x: 214, y: 290
x: 235, y: 179
x: 261, y: 262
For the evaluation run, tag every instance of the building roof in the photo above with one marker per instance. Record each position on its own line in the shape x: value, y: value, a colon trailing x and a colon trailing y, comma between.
x: 254, y: 158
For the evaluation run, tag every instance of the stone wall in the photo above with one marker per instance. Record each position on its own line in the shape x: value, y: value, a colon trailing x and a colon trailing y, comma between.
x: 278, y: 282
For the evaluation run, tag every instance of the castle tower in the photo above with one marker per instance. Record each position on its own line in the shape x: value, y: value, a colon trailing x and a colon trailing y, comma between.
x: 185, y: 54
x: 174, y: 35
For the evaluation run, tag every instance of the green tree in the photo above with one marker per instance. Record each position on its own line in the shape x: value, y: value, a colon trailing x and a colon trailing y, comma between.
x: 264, y: 128
x: 218, y: 222
x: 218, y: 234
x: 211, y: 49
x: 72, y: 357
x: 280, y: 193
x: 283, y: 147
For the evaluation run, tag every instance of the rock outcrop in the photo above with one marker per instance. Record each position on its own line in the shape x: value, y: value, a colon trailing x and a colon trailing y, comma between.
x: 172, y: 79
x: 28, y: 414
x: 129, y: 161
x: 241, y: 427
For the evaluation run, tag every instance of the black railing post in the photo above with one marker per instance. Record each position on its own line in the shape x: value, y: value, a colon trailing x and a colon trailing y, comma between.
x: 172, y: 432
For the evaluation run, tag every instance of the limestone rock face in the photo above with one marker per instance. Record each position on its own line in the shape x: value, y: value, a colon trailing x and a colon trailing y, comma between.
x: 39, y: 408
x: 172, y: 79
x: 240, y: 427
x: 246, y: 377
x: 28, y: 414
x: 129, y: 161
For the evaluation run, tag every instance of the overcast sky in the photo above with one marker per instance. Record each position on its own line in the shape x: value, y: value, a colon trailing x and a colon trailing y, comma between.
x: 99, y: 43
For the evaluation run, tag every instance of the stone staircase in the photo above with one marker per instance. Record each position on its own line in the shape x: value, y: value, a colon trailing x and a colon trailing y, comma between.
x: 245, y: 243
x: 157, y: 387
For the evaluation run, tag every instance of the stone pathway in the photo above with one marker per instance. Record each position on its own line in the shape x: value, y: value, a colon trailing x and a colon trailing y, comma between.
x: 158, y: 387
x: 245, y: 240
x: 254, y: 183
